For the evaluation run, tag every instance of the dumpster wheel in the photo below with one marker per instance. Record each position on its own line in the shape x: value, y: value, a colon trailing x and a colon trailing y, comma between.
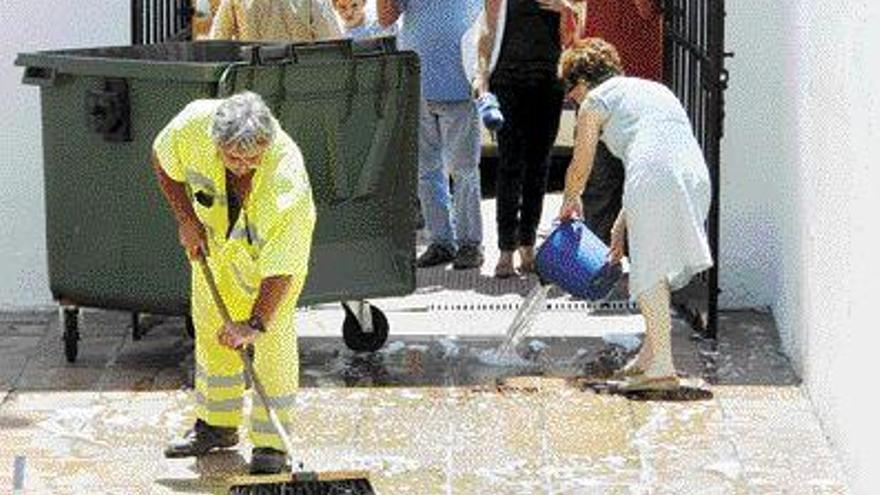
x: 367, y: 333
x: 70, y: 323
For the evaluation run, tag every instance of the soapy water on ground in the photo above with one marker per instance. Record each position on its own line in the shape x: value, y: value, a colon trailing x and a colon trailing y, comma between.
x: 629, y: 342
x: 393, y: 347
x: 466, y: 360
x: 449, y: 348
x: 493, y: 357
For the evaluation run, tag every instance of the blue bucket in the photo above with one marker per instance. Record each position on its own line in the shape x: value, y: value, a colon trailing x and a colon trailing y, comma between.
x: 574, y: 259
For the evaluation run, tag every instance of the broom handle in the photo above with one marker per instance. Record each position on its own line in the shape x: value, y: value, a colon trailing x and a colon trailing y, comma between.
x: 248, y: 363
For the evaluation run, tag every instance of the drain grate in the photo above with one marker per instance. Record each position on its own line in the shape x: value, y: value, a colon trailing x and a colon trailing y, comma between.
x: 614, y: 305
x: 475, y: 291
x: 335, y: 487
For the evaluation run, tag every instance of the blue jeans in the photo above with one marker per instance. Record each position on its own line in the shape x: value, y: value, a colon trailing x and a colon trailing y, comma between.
x: 449, y: 144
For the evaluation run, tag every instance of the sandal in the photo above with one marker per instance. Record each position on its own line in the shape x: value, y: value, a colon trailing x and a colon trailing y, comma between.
x: 504, y: 270
x: 627, y: 371
x: 644, y: 383
x: 504, y: 267
x: 527, y: 267
x: 527, y: 257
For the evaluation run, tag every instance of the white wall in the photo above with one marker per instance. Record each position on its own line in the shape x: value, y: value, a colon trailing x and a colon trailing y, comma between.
x: 30, y: 25
x: 838, y: 86
x: 803, y: 192
x: 758, y: 109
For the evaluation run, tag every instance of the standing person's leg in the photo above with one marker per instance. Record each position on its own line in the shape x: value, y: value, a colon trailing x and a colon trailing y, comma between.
x: 434, y: 188
x: 653, y: 238
x: 508, y: 177
x: 658, y: 371
x: 219, y: 381
x: 460, y: 138
x: 667, y: 245
x: 276, y: 363
x: 545, y: 109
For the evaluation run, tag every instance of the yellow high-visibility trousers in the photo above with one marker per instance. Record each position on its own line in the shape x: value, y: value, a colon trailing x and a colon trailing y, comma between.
x: 220, y: 382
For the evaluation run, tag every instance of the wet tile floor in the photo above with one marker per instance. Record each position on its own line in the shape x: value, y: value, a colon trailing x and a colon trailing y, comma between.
x: 426, y: 415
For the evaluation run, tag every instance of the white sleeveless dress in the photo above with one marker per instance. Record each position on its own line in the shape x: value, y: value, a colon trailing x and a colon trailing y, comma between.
x: 666, y: 193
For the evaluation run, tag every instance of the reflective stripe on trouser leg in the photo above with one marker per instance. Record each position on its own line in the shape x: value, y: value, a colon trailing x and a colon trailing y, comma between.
x: 276, y: 363
x: 219, y: 370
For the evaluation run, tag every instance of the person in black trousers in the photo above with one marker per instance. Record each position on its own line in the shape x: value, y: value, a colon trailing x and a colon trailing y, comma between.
x: 530, y: 97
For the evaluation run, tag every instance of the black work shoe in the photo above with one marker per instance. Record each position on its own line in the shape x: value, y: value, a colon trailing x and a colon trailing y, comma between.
x: 468, y: 257
x: 437, y: 254
x: 201, y: 439
x: 266, y: 460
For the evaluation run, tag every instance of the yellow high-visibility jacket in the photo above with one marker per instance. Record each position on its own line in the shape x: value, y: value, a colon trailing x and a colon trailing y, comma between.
x: 273, y: 232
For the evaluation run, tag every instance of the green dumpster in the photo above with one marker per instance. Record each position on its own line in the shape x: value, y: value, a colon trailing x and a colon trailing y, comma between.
x: 351, y: 107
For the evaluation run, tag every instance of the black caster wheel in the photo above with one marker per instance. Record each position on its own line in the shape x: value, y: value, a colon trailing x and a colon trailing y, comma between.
x: 359, y: 341
x: 190, y: 327
x: 70, y: 323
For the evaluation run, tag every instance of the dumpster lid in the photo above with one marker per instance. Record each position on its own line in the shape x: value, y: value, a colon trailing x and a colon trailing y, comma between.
x: 199, y: 61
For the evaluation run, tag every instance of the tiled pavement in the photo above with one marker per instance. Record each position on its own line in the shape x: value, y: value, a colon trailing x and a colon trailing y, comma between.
x: 424, y: 416
x: 427, y: 414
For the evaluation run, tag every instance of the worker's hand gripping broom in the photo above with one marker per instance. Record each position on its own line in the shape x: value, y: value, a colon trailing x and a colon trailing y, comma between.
x: 351, y: 482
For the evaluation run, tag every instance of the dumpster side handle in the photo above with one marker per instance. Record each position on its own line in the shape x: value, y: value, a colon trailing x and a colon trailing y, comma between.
x: 43, y: 77
x: 273, y: 54
x: 385, y: 45
x: 310, y: 51
x: 266, y: 54
x: 225, y: 86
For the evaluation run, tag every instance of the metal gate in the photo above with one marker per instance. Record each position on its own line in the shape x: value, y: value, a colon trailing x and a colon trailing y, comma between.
x: 155, y: 21
x: 693, y: 67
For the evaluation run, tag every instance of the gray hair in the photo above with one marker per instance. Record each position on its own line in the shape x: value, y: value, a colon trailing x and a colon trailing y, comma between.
x: 243, y: 120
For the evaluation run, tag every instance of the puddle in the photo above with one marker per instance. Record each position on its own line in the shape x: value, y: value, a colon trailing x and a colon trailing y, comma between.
x: 494, y: 357
x: 629, y: 342
x: 729, y: 469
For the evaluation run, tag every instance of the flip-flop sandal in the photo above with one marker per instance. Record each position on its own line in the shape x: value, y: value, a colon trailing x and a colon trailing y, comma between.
x: 642, y: 383
x: 627, y: 372
x: 505, y: 272
x: 527, y: 267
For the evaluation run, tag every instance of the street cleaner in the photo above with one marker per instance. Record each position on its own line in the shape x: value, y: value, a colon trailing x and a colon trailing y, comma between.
x: 238, y: 188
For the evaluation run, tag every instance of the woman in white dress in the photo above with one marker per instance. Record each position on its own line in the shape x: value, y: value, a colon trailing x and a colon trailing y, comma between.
x: 666, y: 191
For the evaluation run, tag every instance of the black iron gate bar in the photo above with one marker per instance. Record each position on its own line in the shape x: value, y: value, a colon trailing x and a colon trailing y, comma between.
x: 155, y: 21
x: 693, y: 66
